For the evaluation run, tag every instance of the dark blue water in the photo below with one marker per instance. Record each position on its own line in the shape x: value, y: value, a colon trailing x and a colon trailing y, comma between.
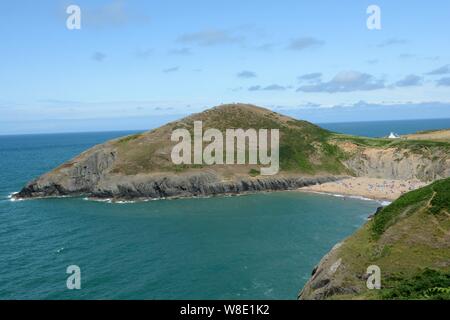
x: 384, y: 128
x: 249, y: 247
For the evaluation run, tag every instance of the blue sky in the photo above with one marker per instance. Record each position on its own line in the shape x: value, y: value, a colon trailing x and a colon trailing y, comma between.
x: 136, y: 64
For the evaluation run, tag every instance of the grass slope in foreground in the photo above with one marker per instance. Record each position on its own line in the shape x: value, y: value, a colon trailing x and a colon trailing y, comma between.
x: 409, y: 240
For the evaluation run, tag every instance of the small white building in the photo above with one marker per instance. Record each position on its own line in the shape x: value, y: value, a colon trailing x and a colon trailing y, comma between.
x: 393, y: 136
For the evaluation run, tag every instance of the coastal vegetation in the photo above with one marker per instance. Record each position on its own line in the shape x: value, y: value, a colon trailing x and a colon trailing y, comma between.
x: 304, y: 147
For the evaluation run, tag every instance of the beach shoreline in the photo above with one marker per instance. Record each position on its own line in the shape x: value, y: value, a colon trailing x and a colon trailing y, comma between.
x: 383, y: 202
x: 369, y: 188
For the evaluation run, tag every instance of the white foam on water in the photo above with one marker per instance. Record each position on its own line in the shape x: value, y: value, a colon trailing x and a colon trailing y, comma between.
x: 112, y: 201
x: 124, y: 201
x: 360, y: 198
x: 11, y: 197
x: 385, y: 203
x: 107, y: 200
x: 337, y: 195
x: 327, y: 194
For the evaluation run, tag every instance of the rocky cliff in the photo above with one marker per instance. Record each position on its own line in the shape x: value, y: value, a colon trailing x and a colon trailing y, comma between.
x: 400, y: 163
x: 161, y: 185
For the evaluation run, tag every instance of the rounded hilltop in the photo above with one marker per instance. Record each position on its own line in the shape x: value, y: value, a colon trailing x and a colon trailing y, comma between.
x: 242, y: 115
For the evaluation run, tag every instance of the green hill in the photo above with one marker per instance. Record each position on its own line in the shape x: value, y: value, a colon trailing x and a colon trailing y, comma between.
x: 304, y: 147
x: 140, y: 165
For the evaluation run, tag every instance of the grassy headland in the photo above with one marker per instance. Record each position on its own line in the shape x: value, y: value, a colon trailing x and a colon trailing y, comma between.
x: 409, y: 240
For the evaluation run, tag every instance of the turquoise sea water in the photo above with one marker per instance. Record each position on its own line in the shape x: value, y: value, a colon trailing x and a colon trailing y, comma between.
x: 261, y: 246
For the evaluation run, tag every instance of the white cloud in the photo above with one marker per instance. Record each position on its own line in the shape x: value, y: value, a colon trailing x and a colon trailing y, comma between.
x: 304, y: 43
x: 210, y: 37
x: 346, y: 81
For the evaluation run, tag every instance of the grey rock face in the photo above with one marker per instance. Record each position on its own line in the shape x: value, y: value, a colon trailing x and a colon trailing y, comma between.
x: 162, y: 186
x: 201, y: 184
x: 324, y: 282
x: 77, y: 176
x: 400, y: 164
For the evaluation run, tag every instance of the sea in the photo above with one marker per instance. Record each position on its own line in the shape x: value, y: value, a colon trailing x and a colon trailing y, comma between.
x: 261, y: 246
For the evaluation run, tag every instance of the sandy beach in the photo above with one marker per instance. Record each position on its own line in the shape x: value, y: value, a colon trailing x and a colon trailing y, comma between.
x: 372, y: 188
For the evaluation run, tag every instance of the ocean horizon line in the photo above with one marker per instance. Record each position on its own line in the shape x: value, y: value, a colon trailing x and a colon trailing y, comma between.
x: 154, y: 127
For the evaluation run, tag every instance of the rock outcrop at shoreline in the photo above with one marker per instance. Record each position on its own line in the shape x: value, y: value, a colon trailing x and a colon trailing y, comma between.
x: 166, y: 186
x: 323, y: 284
x: 75, y: 177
